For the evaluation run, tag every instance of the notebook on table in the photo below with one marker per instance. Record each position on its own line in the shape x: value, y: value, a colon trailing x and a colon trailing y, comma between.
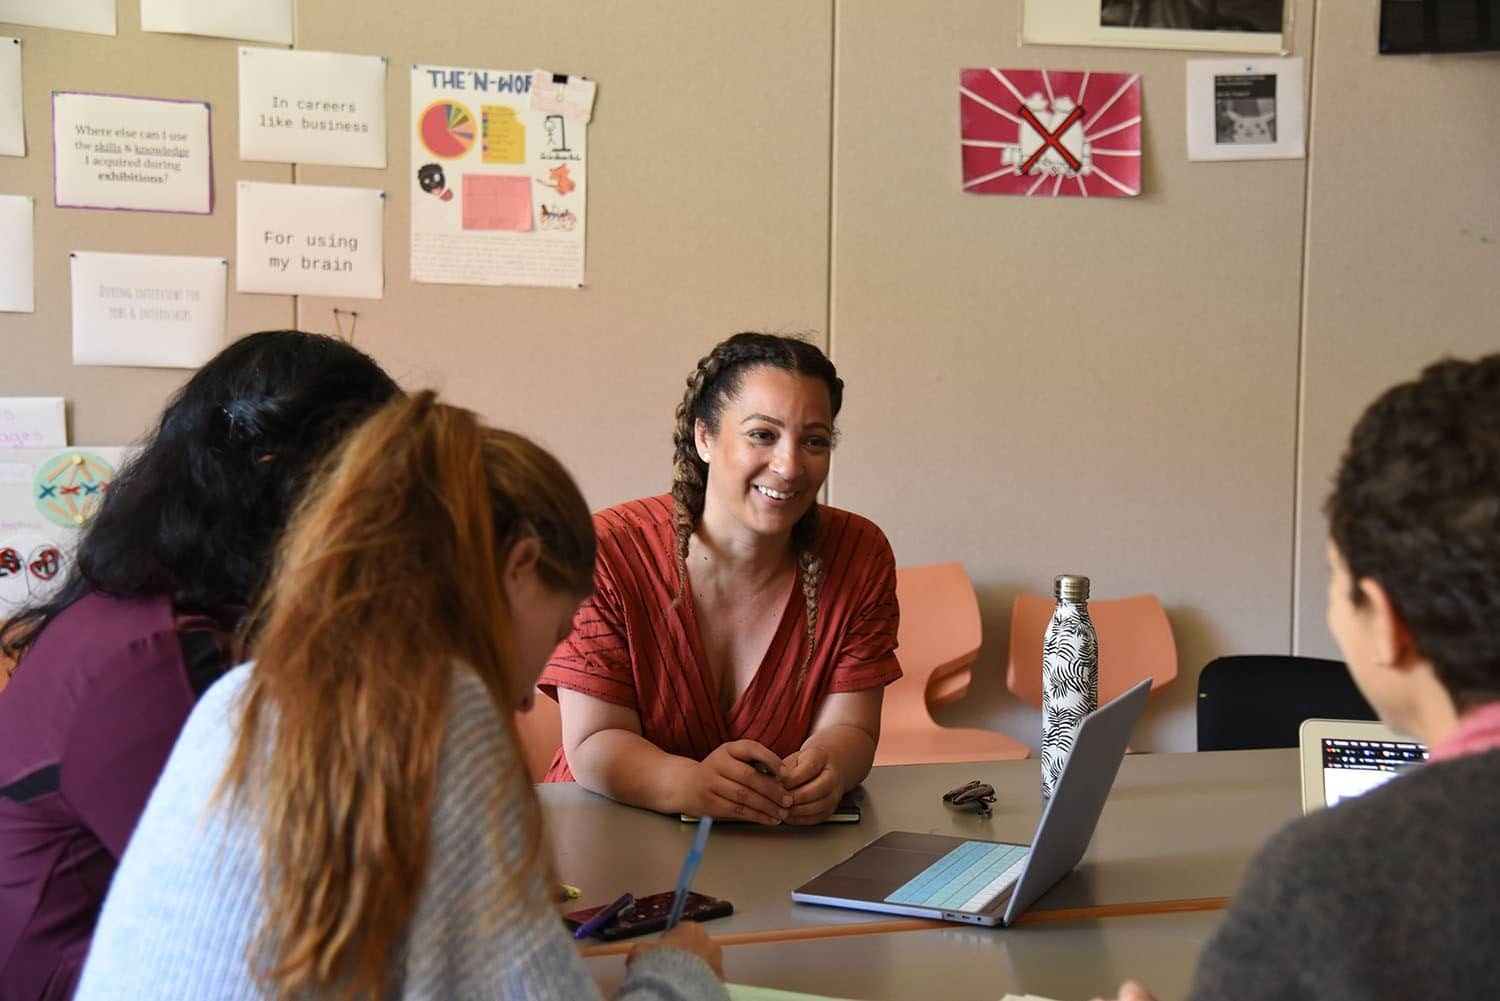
x: 1343, y: 758
x: 988, y: 882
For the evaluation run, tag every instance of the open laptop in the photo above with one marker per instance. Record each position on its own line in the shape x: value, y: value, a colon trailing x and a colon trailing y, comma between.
x: 1343, y: 758
x: 987, y: 882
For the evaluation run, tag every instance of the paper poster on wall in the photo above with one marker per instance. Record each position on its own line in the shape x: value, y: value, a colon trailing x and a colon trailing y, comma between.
x: 1214, y: 25
x: 255, y: 20
x: 139, y: 153
x: 47, y: 495
x: 149, y: 310
x: 561, y: 94
x: 497, y: 188
x: 94, y: 16
x: 306, y: 239
x: 12, y: 128
x: 312, y: 107
x: 1244, y: 109
x: 32, y: 421
x: 1050, y: 132
x: 17, y: 254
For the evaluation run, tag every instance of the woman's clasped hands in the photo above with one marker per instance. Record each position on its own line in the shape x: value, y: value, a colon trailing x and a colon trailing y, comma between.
x: 745, y: 780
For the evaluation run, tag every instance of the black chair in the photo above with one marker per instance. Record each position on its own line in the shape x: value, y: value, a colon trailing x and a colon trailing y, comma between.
x: 1256, y: 701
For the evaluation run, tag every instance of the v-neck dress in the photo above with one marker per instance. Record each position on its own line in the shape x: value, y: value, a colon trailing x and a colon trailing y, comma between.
x: 630, y: 647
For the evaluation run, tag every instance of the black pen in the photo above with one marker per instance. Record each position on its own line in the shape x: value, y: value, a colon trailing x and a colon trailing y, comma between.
x: 603, y: 917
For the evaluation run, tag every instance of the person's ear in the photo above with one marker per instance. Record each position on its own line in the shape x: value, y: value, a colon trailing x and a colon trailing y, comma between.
x: 701, y: 439
x: 1394, y: 645
x: 522, y: 559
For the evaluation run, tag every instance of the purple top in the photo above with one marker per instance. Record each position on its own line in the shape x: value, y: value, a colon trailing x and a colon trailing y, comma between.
x: 89, y: 717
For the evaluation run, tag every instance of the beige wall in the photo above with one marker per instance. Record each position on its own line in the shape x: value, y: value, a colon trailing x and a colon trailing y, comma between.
x: 1151, y: 390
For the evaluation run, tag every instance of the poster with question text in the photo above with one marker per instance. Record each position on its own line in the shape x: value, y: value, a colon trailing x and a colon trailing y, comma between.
x: 307, y: 239
x: 498, y: 190
x: 138, y: 153
x: 312, y: 107
x: 150, y: 310
x: 47, y: 495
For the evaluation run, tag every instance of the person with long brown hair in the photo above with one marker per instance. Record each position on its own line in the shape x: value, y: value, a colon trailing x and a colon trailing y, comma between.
x: 732, y: 659
x: 349, y: 815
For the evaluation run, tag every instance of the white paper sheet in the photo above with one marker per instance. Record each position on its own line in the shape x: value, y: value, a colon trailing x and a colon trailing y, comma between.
x: 46, y: 496
x: 17, y: 254
x: 94, y: 16
x: 306, y: 239
x: 312, y: 107
x: 1245, y: 109
x: 131, y: 153
x: 32, y: 421
x: 12, y: 130
x: 256, y: 20
x: 498, y: 191
x: 561, y: 94
x: 144, y: 309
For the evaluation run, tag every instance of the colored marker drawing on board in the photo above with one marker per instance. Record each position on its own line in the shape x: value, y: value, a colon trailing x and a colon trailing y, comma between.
x: 70, y: 487
x: 1049, y: 132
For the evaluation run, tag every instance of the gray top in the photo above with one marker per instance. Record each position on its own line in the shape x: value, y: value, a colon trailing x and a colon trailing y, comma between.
x: 186, y: 900
x: 1391, y: 895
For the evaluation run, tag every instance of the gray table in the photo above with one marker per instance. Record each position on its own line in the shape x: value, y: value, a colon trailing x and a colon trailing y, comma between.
x: 1072, y: 961
x: 1177, y: 827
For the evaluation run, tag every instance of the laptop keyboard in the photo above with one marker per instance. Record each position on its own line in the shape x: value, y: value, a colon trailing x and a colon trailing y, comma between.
x: 965, y: 879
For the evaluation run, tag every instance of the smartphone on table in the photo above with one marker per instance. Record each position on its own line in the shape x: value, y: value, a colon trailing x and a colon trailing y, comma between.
x: 649, y: 914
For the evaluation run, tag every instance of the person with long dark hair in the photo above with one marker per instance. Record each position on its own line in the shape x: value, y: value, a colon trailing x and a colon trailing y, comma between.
x: 733, y: 658
x: 349, y: 816
x: 109, y: 667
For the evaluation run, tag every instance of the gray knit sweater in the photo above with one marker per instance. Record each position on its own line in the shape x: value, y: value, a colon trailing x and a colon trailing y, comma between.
x: 186, y: 900
x: 1393, y: 895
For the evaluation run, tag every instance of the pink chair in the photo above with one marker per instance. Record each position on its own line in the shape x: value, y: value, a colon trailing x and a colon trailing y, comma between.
x: 937, y: 642
x: 1135, y: 642
x: 540, y: 730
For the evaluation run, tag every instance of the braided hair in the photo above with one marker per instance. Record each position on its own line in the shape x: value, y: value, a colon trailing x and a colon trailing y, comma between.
x: 715, y: 379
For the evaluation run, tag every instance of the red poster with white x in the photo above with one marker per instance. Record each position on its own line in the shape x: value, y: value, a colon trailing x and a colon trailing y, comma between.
x: 1051, y: 132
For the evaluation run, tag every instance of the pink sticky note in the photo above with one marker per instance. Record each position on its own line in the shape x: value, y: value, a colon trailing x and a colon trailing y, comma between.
x: 497, y: 201
x: 1050, y: 132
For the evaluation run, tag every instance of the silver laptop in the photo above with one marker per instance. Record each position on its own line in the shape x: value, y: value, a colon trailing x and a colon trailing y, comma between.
x: 987, y: 882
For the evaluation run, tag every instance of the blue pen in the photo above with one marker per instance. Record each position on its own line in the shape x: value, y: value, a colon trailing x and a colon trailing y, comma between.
x: 603, y: 917
x: 689, y: 867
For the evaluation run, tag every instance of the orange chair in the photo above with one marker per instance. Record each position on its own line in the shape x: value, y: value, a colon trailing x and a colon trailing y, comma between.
x: 938, y: 640
x: 540, y: 730
x: 1135, y: 642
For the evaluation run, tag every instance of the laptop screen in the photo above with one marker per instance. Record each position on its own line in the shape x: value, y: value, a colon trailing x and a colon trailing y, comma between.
x: 1352, y: 767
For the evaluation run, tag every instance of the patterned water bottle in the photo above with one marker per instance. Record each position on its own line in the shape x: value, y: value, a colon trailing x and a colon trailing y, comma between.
x: 1070, y: 674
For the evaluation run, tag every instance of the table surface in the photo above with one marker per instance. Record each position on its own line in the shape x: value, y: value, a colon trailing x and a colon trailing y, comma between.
x: 1177, y: 827
x: 1067, y: 961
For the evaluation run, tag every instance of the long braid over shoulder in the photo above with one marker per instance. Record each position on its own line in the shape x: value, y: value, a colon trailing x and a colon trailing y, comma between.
x: 715, y: 379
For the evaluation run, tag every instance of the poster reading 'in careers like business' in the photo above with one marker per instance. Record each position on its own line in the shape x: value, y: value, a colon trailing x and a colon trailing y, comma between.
x: 497, y: 189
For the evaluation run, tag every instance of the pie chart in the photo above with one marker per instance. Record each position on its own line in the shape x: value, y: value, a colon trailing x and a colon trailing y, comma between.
x: 447, y: 129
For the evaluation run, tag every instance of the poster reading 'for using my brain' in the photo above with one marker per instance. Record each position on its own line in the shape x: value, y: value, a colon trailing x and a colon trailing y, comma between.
x: 497, y: 178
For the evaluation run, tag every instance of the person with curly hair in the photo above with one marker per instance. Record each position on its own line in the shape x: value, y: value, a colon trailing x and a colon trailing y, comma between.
x: 733, y: 658
x: 1392, y: 894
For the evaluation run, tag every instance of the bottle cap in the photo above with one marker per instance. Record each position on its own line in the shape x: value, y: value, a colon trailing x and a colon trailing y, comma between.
x: 1070, y: 587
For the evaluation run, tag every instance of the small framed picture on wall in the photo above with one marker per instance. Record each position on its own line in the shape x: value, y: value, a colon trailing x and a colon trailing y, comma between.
x: 1211, y: 25
x: 1245, y: 109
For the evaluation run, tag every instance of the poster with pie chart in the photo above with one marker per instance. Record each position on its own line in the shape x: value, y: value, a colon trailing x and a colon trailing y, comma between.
x: 447, y: 129
x: 498, y: 188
